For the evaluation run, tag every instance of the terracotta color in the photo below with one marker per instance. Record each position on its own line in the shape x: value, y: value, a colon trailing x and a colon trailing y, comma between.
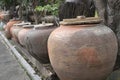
x: 82, y: 52
x: 14, y: 31
x: 4, y: 16
x: 8, y: 27
x: 22, y: 34
x: 1, y: 16
x: 36, y: 43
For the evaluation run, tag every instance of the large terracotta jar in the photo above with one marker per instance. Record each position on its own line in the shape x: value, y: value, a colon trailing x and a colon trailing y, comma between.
x: 36, y: 43
x: 23, y: 33
x: 16, y: 28
x: 8, y: 27
x: 2, y: 15
x: 82, y: 52
x: 5, y: 17
x: 14, y: 32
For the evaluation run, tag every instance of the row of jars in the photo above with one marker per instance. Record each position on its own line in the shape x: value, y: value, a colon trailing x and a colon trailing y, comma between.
x: 76, y: 52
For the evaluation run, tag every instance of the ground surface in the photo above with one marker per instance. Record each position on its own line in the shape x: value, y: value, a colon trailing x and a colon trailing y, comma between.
x: 10, y: 69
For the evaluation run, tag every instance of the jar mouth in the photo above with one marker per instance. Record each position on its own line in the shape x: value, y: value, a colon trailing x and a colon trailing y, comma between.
x: 81, y: 20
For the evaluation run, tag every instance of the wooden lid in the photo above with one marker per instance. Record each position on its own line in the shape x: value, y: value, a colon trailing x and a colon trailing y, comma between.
x: 42, y: 25
x: 81, y: 20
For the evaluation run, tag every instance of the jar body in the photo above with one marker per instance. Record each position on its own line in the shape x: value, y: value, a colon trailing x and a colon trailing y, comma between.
x: 82, y: 52
x: 22, y: 34
x: 36, y: 43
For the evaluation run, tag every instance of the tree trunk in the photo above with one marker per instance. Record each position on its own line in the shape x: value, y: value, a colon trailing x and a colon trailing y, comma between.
x: 74, y: 8
x: 35, y: 3
x: 109, y: 11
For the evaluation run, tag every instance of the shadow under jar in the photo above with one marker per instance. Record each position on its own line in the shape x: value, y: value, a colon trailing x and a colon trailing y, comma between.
x: 82, y: 52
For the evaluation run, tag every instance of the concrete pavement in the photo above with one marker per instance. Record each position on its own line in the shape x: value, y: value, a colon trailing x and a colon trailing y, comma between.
x: 10, y: 69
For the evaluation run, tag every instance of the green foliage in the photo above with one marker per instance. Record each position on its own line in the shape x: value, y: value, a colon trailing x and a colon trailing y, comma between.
x: 39, y: 8
x: 52, y: 9
x: 47, y: 8
x: 44, y: 6
x: 6, y: 2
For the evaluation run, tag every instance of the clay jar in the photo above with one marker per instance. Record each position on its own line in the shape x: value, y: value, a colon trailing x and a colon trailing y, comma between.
x: 36, y: 43
x: 8, y: 27
x: 5, y: 17
x: 82, y: 52
x: 16, y: 28
x: 14, y: 31
x: 2, y: 15
x: 23, y: 33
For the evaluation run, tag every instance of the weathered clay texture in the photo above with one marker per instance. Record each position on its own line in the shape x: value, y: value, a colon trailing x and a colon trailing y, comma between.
x: 82, y: 52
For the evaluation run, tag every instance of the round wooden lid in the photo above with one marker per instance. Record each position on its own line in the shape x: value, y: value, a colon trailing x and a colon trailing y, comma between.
x: 81, y: 20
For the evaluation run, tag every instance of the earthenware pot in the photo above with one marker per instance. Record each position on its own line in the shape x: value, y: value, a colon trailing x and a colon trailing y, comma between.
x: 16, y: 28
x: 22, y: 34
x: 82, y: 52
x: 36, y: 43
x: 8, y: 27
x: 14, y: 31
